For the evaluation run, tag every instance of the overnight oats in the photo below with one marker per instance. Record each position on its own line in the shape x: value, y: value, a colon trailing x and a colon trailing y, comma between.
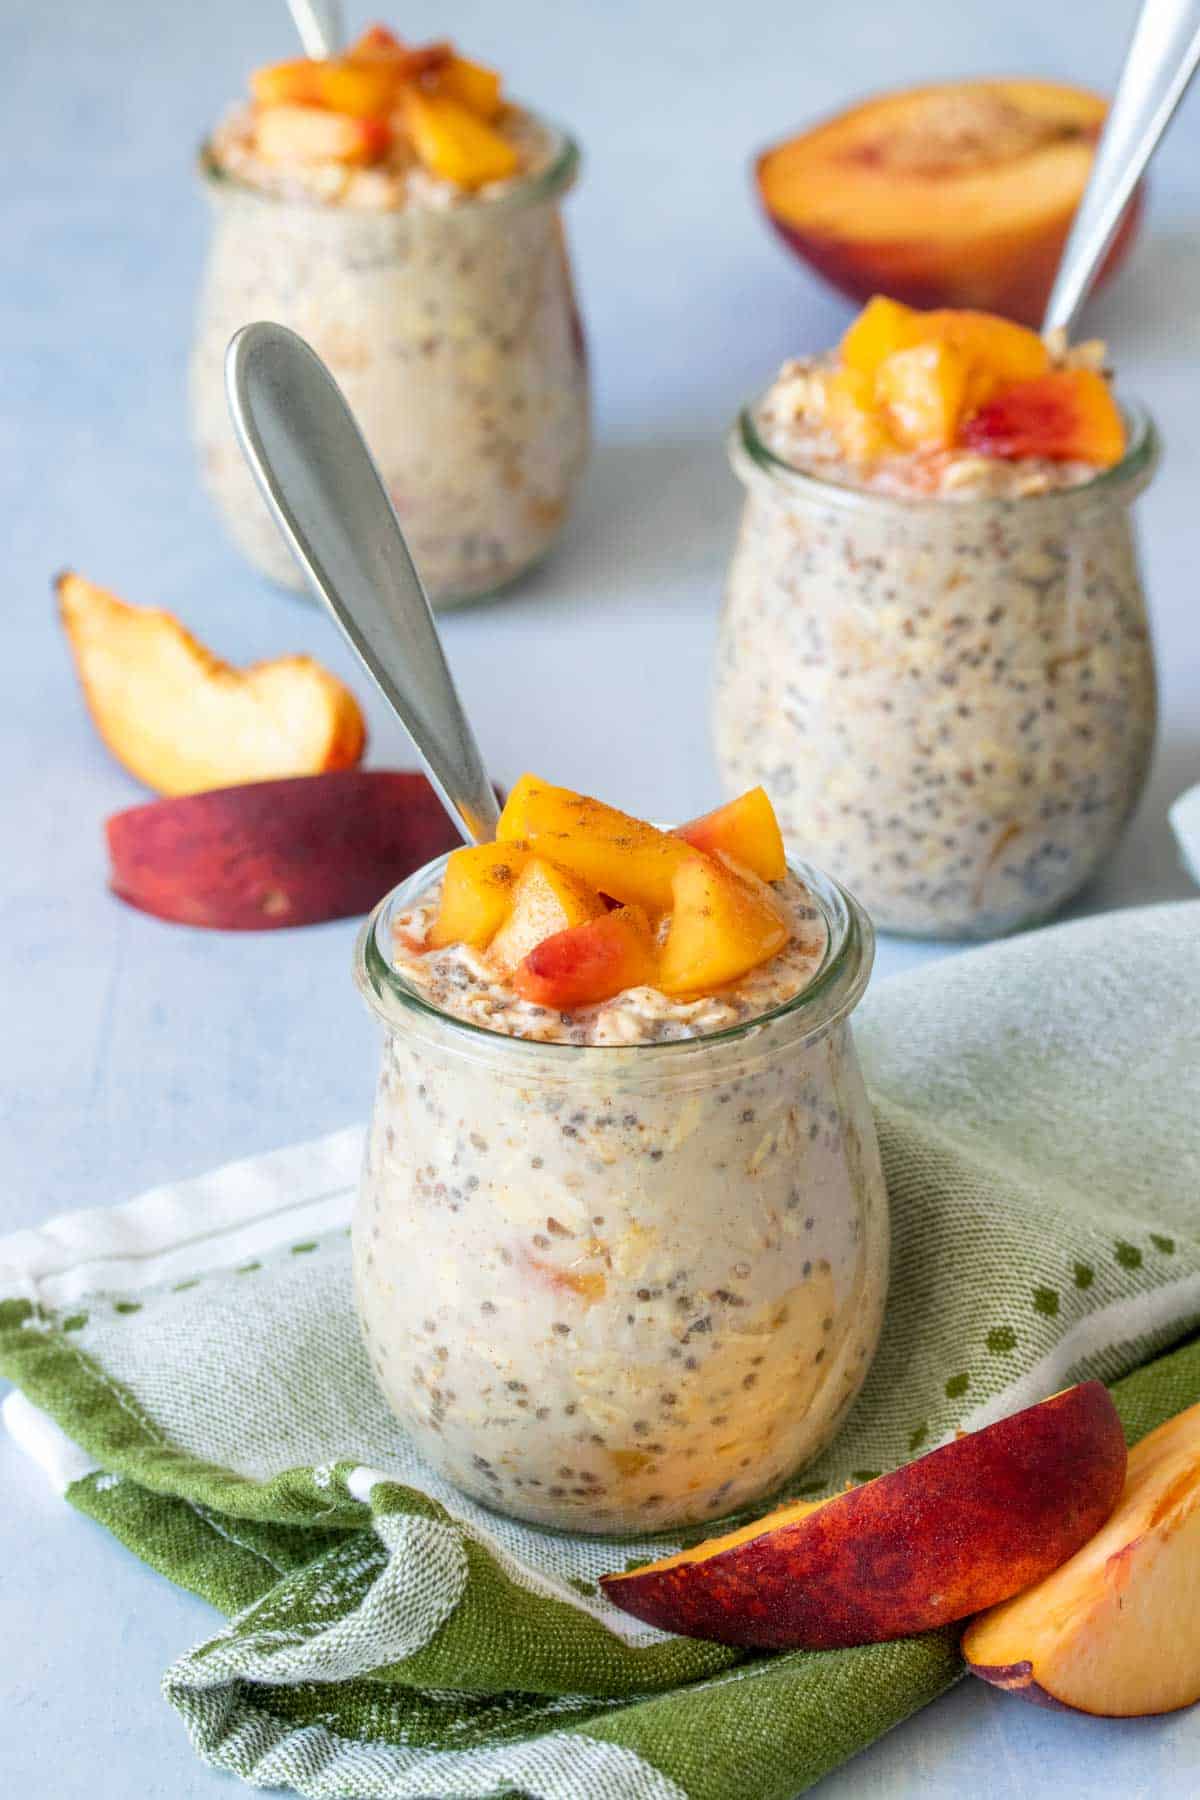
x: 400, y: 214
x: 935, y: 652
x: 621, y: 1247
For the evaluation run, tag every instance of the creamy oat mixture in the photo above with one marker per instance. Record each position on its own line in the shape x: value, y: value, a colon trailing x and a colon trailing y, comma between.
x: 615, y: 1285
x: 789, y: 422
x: 950, y: 697
x: 461, y: 981
x: 396, y: 181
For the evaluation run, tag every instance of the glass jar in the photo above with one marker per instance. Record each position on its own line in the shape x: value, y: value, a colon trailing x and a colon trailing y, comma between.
x: 615, y: 1288
x: 454, y: 335
x: 950, y: 701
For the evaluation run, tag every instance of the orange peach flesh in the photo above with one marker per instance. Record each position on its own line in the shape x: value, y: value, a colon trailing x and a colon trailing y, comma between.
x: 1116, y: 1630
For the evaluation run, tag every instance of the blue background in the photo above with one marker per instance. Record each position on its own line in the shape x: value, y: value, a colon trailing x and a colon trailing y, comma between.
x: 134, y: 1052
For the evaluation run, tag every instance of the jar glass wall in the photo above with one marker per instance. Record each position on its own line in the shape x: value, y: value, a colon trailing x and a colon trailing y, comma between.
x: 622, y: 1288
x: 950, y: 701
x: 454, y: 335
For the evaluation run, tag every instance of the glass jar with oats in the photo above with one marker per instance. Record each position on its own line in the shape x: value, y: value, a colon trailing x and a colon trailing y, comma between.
x: 620, y: 1266
x: 419, y: 248
x: 935, y: 652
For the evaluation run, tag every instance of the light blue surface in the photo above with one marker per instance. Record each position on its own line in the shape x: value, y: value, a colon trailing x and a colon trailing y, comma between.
x: 134, y: 1052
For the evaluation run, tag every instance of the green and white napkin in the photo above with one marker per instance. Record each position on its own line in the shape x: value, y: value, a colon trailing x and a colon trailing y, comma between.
x: 188, y: 1370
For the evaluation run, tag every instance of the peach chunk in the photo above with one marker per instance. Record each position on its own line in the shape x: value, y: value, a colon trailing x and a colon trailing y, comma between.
x: 545, y: 900
x: 995, y: 351
x: 614, y: 853
x: 1068, y: 415
x: 477, y: 894
x: 408, y: 62
x: 589, y: 963
x: 958, y: 1529
x: 287, y: 83
x: 854, y: 417
x: 454, y: 142
x: 1116, y: 1630
x: 722, y: 926
x: 923, y: 391
x: 181, y: 720
x: 475, y: 86
x: 298, y: 134
x: 365, y: 90
x: 745, y: 831
x: 958, y: 194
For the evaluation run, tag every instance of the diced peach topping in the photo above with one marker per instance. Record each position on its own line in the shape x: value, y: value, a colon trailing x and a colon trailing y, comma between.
x: 923, y: 391
x: 745, y: 831
x: 444, y: 102
x: 614, y: 853
x: 477, y: 894
x: 722, y: 926
x: 470, y: 83
x: 936, y: 381
x: 1068, y: 415
x: 456, y: 143
x: 589, y: 963
x: 546, y: 900
x: 298, y: 134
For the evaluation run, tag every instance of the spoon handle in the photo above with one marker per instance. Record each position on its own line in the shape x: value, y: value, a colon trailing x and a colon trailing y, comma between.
x: 321, y: 484
x: 1160, y: 62
x: 319, y: 23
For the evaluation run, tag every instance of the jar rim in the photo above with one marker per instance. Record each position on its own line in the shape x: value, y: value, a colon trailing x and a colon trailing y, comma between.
x: 546, y: 183
x: 752, y: 458
x: 835, y: 988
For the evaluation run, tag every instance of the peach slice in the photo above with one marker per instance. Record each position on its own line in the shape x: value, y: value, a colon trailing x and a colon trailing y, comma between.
x: 277, y: 853
x: 923, y: 390
x: 614, y: 853
x: 745, y: 831
x: 477, y: 894
x: 959, y: 194
x: 957, y: 1530
x: 181, y: 720
x: 1116, y: 1630
x: 1068, y: 416
x: 454, y: 142
x: 722, y: 926
x: 589, y: 963
x: 300, y: 134
x: 474, y: 86
x: 854, y: 417
x: 545, y: 901
x: 294, y: 83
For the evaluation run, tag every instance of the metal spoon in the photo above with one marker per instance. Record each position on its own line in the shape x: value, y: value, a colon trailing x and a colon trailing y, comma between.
x: 1162, y: 57
x: 319, y: 23
x: 321, y: 484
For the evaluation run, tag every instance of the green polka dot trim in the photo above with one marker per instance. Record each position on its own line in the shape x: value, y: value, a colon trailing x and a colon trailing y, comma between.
x: 865, y: 1474
x: 1084, y: 1275
x: 302, y: 1249
x: 1045, y: 1301
x: 76, y: 1322
x: 127, y: 1306
x: 181, y: 1287
x: 957, y: 1386
x: 1001, y: 1339
x: 1128, y: 1255
x: 1165, y: 1244
x: 918, y: 1438
x: 248, y: 1268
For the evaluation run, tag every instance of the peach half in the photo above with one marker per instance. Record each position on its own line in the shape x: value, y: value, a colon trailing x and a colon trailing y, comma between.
x: 1116, y: 1630
x: 960, y: 1528
x: 959, y: 194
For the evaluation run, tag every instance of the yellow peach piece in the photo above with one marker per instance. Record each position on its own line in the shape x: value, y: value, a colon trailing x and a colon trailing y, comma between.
x: 475, y: 86
x: 745, y: 831
x: 183, y: 721
x: 924, y: 392
x: 454, y: 142
x: 546, y: 900
x: 722, y: 926
x: 477, y: 894
x: 613, y: 853
x: 299, y: 134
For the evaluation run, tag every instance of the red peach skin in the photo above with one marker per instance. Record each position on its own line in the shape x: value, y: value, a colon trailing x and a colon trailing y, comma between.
x: 269, y: 854
x: 957, y: 1530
